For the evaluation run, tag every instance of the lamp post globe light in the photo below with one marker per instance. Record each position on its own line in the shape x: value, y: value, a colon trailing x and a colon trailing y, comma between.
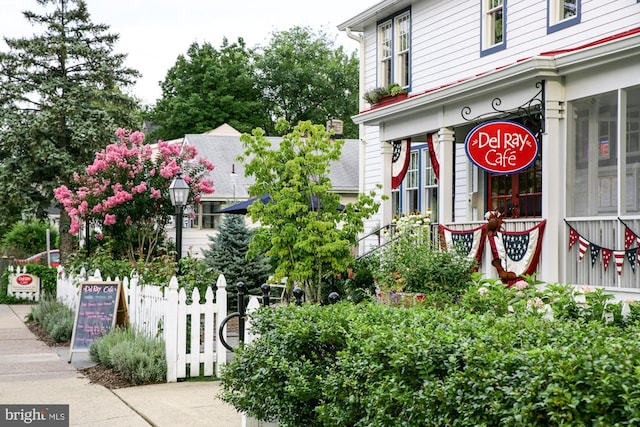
x: 179, y: 193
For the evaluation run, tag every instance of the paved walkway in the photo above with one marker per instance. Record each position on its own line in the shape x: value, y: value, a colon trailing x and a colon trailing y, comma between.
x: 32, y: 373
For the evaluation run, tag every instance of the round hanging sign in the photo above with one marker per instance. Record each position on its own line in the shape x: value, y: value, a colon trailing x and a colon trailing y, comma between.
x: 501, y: 147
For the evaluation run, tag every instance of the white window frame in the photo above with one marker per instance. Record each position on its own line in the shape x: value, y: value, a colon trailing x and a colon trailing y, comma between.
x: 490, y: 11
x: 394, y: 50
x: 556, y: 18
x: 430, y: 187
x: 385, y: 53
x: 412, y: 181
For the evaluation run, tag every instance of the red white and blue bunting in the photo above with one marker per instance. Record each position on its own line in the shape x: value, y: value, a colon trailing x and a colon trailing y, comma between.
x: 470, y: 240
x: 630, y: 253
x: 519, y: 250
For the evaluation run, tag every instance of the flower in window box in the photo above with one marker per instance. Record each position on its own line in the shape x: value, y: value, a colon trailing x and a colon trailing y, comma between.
x: 386, y: 94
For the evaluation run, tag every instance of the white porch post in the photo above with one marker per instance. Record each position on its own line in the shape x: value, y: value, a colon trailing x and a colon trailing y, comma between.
x: 386, y: 151
x: 553, y: 183
x: 446, y: 186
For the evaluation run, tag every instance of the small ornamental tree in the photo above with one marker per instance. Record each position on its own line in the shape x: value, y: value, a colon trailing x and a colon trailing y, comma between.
x: 227, y: 254
x: 303, y: 230
x: 125, y: 192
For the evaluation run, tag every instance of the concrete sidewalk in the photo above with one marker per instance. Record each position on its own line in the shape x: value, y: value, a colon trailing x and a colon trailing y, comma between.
x: 32, y: 373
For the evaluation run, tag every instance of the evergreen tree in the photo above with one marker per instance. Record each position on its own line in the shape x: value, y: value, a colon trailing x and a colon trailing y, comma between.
x: 61, y: 100
x: 227, y: 254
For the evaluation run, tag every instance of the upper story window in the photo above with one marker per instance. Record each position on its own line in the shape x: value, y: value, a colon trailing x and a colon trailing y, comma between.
x: 562, y: 14
x: 494, y: 26
x: 394, y: 48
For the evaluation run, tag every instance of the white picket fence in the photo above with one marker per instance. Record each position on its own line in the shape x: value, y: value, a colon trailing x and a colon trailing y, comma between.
x: 164, y: 311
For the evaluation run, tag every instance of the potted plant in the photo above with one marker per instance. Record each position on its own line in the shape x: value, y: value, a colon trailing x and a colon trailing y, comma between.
x: 385, y: 95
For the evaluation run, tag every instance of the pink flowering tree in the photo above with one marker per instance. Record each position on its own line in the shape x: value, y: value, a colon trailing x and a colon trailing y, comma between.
x: 125, y: 191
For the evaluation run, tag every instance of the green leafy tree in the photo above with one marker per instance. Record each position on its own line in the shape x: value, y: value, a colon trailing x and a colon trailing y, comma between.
x: 303, y: 230
x: 227, y: 254
x: 60, y: 100
x: 207, y: 88
x: 28, y: 238
x: 303, y: 76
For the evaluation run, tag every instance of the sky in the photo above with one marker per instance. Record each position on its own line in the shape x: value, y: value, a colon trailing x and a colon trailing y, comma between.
x: 154, y: 32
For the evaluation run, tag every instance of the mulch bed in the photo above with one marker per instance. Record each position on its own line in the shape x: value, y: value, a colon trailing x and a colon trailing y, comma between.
x: 100, y: 374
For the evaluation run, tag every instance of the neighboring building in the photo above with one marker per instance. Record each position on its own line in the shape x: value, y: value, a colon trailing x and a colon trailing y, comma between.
x: 568, y: 71
x: 221, y: 147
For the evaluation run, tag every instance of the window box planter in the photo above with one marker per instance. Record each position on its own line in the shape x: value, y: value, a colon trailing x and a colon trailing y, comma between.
x: 390, y: 99
x: 381, y: 96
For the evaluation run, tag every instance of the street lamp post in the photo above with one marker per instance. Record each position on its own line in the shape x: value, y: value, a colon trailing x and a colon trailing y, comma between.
x: 179, y: 193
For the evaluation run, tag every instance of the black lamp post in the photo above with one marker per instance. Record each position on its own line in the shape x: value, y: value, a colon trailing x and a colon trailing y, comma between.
x: 179, y: 193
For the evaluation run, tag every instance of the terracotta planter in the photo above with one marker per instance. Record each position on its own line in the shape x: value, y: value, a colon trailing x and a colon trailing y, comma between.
x: 400, y: 299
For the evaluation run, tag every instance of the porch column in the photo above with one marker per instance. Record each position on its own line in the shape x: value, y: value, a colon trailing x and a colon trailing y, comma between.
x: 446, y: 186
x: 553, y: 184
x: 386, y: 152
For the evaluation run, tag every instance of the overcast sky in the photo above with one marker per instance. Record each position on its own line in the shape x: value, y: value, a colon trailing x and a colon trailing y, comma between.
x: 154, y: 32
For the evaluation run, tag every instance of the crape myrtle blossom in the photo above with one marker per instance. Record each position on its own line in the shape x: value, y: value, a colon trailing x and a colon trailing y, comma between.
x: 125, y: 190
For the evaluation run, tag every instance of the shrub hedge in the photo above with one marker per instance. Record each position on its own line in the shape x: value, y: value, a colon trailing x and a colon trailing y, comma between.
x: 140, y: 359
x: 371, y: 364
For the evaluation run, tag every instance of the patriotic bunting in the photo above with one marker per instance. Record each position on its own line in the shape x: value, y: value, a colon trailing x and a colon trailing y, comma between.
x: 595, y: 251
x: 619, y: 257
x: 433, y: 153
x: 630, y: 238
x: 606, y: 257
x: 519, y: 249
x: 631, y: 252
x: 582, y: 247
x: 632, y: 257
x: 471, y: 240
x: 573, y: 237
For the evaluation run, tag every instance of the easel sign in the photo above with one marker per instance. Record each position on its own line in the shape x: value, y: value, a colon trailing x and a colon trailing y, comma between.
x: 101, y: 306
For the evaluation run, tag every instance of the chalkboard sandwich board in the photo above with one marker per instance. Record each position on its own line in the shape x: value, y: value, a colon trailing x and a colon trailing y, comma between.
x: 101, y: 306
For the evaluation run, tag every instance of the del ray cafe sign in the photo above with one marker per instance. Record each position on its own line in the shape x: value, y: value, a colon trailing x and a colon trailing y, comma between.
x: 501, y: 147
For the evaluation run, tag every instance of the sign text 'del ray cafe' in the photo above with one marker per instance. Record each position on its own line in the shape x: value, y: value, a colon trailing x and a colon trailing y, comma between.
x: 501, y: 147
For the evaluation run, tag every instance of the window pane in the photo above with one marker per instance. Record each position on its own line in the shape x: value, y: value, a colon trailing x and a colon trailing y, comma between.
x: 633, y: 150
x: 569, y: 8
x: 209, y: 219
x: 497, y: 27
x: 595, y: 181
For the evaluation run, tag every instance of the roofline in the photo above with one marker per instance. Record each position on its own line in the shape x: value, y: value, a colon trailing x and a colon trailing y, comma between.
x: 367, y: 15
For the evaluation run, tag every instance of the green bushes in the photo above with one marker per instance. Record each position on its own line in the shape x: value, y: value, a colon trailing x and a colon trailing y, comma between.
x: 28, y: 238
x: 418, y: 266
x: 140, y: 359
x: 505, y: 365
x: 55, y: 318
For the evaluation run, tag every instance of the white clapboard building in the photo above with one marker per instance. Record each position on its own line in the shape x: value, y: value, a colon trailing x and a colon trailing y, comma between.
x: 526, y: 107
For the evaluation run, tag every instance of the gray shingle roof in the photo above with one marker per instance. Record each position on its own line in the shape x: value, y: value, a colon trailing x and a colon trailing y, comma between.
x: 222, y: 151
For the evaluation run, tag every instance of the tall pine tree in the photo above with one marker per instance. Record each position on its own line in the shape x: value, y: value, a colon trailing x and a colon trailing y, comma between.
x: 61, y: 100
x: 227, y: 254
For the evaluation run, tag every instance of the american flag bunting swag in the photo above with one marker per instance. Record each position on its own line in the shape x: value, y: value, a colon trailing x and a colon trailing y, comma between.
x: 519, y: 250
x: 472, y: 241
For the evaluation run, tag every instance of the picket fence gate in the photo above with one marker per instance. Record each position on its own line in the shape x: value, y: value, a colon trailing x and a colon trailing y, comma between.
x: 189, y: 330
